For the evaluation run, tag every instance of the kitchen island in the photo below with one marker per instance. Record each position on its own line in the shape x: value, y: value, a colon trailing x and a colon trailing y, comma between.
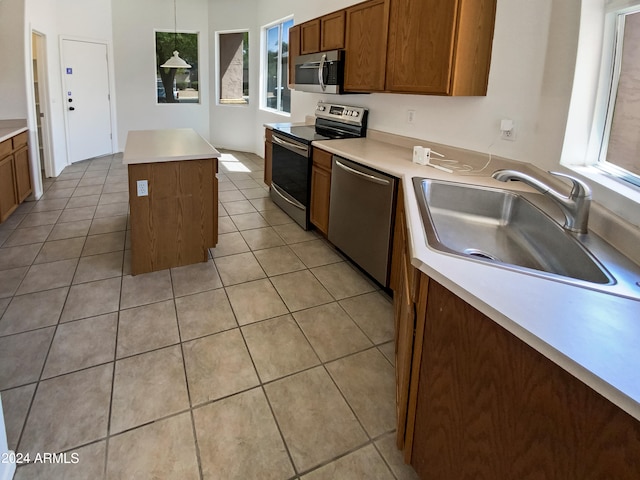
x: 173, y: 198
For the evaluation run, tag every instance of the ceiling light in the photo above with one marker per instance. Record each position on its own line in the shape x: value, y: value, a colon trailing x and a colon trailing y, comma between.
x: 175, y: 61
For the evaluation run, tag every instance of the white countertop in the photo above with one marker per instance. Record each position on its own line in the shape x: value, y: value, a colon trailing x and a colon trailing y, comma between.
x: 173, y: 145
x: 594, y: 336
x: 11, y: 128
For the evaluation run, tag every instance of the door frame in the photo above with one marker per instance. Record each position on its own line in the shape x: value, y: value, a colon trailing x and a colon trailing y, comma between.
x: 44, y: 99
x: 110, y: 82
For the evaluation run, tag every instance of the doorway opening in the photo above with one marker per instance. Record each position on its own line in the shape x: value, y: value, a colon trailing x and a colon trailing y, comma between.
x: 39, y: 75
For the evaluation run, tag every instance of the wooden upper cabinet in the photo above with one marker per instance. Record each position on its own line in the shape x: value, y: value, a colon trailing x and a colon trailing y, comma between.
x: 332, y: 31
x: 310, y: 36
x: 366, y: 46
x: 294, y: 51
x: 440, y: 47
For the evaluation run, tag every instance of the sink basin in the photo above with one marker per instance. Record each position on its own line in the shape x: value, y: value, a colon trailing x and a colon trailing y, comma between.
x: 503, y: 228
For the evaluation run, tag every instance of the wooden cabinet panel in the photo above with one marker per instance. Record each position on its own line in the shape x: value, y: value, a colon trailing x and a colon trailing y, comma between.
x: 15, y: 174
x: 8, y: 194
x: 268, y: 152
x: 23, y: 173
x: 441, y: 48
x: 320, y: 189
x: 5, y: 148
x: 366, y: 46
x: 294, y: 51
x: 20, y: 140
x: 310, y: 36
x: 332, y: 31
x: 180, y: 193
x: 490, y: 406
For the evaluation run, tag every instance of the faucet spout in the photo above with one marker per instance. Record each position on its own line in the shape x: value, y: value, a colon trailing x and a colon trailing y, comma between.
x: 575, y: 206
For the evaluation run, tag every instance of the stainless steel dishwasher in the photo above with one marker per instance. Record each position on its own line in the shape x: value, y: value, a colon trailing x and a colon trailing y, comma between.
x: 361, y: 215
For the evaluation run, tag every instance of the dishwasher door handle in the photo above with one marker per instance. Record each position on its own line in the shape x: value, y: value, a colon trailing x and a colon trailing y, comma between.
x: 366, y: 176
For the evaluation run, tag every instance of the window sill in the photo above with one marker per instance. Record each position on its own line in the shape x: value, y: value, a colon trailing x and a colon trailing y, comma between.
x: 616, y: 195
x: 276, y: 112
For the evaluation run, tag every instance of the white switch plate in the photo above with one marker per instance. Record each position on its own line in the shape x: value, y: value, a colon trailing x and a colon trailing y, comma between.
x: 143, y: 188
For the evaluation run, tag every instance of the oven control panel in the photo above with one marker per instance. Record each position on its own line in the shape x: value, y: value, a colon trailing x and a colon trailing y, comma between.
x: 341, y: 113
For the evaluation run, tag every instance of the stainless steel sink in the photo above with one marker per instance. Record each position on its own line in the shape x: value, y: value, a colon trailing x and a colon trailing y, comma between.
x: 503, y: 228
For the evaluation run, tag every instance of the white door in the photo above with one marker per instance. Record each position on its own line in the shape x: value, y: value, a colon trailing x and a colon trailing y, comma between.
x: 87, y: 99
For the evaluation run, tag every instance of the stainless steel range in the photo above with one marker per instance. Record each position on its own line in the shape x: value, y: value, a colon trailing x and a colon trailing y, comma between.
x: 291, y: 158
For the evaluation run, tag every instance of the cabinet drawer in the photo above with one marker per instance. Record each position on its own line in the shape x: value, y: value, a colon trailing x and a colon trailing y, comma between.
x: 20, y: 140
x: 5, y: 148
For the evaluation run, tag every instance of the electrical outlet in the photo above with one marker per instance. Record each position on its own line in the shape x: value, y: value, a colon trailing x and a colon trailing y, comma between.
x: 507, y: 130
x: 411, y: 117
x: 143, y: 188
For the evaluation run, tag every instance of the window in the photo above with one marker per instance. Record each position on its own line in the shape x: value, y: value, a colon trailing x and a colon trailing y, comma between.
x: 233, y: 68
x: 276, y: 94
x: 177, y: 85
x: 620, y: 149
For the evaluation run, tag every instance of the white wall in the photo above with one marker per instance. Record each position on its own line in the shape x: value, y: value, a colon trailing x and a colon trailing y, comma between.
x: 134, y: 25
x: 90, y: 19
x: 530, y: 82
x: 240, y: 127
x: 13, y: 102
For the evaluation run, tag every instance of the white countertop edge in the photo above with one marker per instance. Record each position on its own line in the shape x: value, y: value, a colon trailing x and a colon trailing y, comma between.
x: 167, y: 145
x: 564, y: 324
x: 8, y: 132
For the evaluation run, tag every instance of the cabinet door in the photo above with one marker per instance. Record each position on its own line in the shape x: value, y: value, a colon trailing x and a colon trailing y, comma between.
x: 366, y: 46
x: 268, y: 152
x: 310, y: 37
x: 320, y: 198
x: 405, y: 324
x: 8, y: 194
x: 294, y: 51
x: 421, y: 40
x: 23, y: 173
x: 441, y: 48
x: 332, y: 31
x: 490, y: 406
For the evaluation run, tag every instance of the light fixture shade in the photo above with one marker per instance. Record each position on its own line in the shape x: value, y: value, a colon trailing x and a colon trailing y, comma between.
x: 175, y: 62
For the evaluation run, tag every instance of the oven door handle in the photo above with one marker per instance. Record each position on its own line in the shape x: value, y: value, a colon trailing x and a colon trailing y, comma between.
x: 286, y: 144
x: 371, y: 178
x: 292, y: 202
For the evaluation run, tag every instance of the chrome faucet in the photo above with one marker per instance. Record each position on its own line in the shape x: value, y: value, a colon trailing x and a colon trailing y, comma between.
x: 575, y: 207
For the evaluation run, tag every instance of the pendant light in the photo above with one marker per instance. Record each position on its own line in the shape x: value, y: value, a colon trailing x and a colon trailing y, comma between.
x: 175, y: 61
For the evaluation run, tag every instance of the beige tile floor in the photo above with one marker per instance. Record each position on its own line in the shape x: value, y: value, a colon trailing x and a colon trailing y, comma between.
x: 273, y: 360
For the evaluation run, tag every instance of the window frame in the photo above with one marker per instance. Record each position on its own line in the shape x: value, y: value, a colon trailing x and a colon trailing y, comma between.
x: 199, y: 53
x: 615, y: 16
x: 264, y: 65
x: 218, y: 86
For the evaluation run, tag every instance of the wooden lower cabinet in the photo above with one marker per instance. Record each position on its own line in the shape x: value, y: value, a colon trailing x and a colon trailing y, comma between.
x: 268, y: 152
x: 15, y: 174
x: 320, y: 189
x: 476, y: 402
x: 23, y: 174
x: 8, y: 193
x: 183, y: 194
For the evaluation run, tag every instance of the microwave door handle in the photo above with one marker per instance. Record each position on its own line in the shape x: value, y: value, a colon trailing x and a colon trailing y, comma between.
x: 312, y: 65
x: 321, y: 72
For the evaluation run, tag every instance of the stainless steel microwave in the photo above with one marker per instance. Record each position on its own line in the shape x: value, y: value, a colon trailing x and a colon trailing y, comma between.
x: 320, y: 72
